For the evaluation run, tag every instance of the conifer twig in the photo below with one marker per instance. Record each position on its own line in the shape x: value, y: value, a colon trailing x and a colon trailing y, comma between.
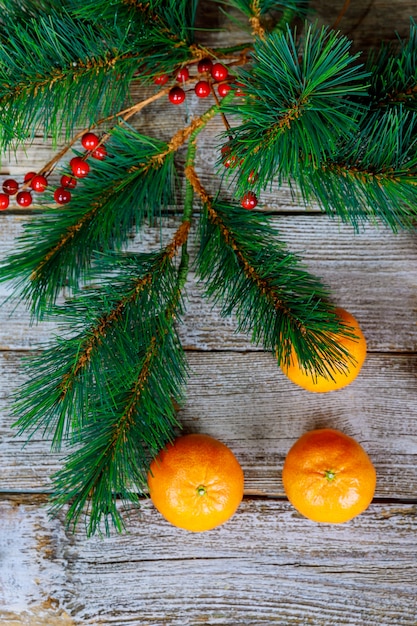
x: 229, y: 239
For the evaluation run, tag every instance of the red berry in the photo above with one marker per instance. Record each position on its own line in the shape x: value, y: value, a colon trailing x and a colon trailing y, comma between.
x: 62, y: 195
x: 79, y: 167
x: 10, y: 186
x: 204, y: 66
x: 253, y: 177
x: 176, y: 95
x: 202, y: 89
x: 28, y: 177
x: 68, y: 181
x: 229, y: 160
x: 89, y: 141
x: 99, y: 153
x: 24, y: 198
x: 223, y: 89
x: 183, y: 74
x: 162, y: 79
x: 4, y: 201
x: 249, y: 200
x: 219, y: 72
x: 39, y: 183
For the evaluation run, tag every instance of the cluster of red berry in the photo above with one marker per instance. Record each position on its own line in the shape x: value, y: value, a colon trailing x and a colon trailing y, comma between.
x: 207, y: 72
x: 34, y: 182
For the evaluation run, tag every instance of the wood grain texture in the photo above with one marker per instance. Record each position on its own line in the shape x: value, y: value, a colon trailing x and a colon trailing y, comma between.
x: 266, y: 565
x: 246, y: 401
x: 372, y: 273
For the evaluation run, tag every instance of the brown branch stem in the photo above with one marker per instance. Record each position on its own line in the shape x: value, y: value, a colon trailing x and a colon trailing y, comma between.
x: 98, y: 333
x: 247, y: 267
x: 125, y: 114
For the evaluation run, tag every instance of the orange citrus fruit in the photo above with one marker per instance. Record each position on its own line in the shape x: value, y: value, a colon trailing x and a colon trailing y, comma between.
x: 196, y: 482
x: 337, y: 377
x: 328, y: 476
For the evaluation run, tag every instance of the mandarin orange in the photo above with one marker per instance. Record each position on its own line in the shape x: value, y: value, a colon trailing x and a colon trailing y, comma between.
x: 328, y: 476
x: 338, y: 377
x: 196, y: 482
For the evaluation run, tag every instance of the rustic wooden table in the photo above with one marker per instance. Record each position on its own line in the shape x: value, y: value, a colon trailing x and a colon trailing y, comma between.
x: 268, y: 565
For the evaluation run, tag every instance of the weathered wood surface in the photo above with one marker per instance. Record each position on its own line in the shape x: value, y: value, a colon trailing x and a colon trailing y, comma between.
x: 245, y: 400
x: 268, y: 565
x: 372, y: 273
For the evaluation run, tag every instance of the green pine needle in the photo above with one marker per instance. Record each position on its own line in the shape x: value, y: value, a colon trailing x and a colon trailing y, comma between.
x: 131, y: 424
x: 53, y: 66
x: 373, y: 177
x: 173, y: 20
x: 249, y: 271
x: 130, y: 186
x: 394, y: 73
x: 298, y: 103
x: 110, y: 383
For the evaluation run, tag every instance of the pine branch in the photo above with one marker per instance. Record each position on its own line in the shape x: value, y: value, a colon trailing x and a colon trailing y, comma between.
x: 298, y: 103
x: 130, y: 427
x: 55, y: 64
x: 394, y: 73
x: 249, y: 271
x: 373, y: 176
x: 170, y: 20
x: 21, y: 10
x: 112, y: 388
x: 57, y: 398
x: 134, y: 184
x: 262, y: 14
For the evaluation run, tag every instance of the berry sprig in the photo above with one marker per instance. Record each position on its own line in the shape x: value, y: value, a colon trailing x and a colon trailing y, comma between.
x: 38, y: 181
x: 207, y: 73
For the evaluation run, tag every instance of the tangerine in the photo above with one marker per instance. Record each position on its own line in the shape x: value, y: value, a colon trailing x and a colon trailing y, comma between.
x: 196, y: 482
x: 328, y: 476
x: 339, y: 377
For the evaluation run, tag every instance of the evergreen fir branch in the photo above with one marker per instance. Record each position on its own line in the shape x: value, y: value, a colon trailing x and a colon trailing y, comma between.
x: 298, y: 103
x: 394, y: 73
x: 53, y: 66
x: 56, y: 64
x: 135, y: 183
x: 131, y: 425
x: 249, y: 271
x: 21, y: 10
x: 124, y: 10
x: 373, y: 176
x: 262, y: 14
x: 174, y: 19
x: 96, y: 328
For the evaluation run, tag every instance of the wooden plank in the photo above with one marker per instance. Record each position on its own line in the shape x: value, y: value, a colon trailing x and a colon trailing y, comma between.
x: 246, y: 401
x: 368, y: 23
x: 372, y: 273
x: 31, y: 571
x: 266, y: 565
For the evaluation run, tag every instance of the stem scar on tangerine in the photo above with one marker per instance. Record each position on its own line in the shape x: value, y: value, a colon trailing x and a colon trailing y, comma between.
x: 196, y: 482
x: 328, y: 476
